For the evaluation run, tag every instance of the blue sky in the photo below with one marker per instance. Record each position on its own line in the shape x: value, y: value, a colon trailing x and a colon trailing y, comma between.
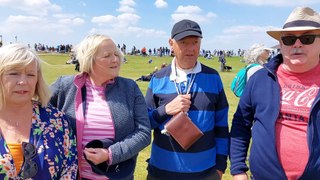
x: 226, y: 24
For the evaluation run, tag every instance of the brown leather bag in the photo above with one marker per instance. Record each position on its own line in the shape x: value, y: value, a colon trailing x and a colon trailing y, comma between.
x: 183, y: 130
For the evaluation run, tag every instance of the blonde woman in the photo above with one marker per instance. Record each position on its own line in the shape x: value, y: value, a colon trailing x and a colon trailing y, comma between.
x: 108, y: 111
x: 36, y: 141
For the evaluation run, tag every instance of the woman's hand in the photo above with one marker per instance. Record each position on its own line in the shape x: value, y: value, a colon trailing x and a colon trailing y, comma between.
x: 96, y: 155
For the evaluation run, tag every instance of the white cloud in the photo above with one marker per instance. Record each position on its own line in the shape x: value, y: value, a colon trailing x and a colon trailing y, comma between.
x: 192, y: 12
x: 106, y: 19
x: 127, y: 3
x: 24, y: 20
x: 123, y: 20
x: 126, y: 6
x: 125, y: 9
x: 124, y: 27
x: 188, y: 9
x: 126, y: 19
x: 161, y: 4
x: 283, y: 3
x: 34, y: 7
x: 78, y: 21
x: 24, y: 26
x: 71, y: 21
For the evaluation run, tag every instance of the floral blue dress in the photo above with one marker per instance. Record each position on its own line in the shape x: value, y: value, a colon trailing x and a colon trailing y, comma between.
x: 55, y: 144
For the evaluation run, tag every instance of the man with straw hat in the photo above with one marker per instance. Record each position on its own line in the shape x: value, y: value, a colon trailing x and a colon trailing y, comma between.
x: 280, y: 107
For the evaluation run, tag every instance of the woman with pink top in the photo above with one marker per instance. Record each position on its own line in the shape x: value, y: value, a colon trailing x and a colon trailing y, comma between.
x: 108, y: 112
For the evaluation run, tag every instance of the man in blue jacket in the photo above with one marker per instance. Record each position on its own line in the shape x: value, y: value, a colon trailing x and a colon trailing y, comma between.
x: 279, y: 108
x: 189, y: 86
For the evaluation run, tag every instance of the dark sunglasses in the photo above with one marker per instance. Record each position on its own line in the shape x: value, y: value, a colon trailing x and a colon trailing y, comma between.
x: 304, y: 39
x: 30, y: 168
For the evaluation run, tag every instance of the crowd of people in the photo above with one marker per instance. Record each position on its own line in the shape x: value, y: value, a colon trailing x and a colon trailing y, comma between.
x: 89, y: 126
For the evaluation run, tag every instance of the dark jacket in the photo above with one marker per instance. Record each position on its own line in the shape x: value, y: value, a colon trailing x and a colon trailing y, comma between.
x: 255, y: 118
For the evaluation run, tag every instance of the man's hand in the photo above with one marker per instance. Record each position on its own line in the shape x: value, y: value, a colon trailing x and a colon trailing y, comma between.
x: 178, y: 104
x: 96, y: 155
x: 242, y: 176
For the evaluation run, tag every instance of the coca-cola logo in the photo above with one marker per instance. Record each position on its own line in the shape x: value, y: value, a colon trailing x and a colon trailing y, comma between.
x: 302, y: 98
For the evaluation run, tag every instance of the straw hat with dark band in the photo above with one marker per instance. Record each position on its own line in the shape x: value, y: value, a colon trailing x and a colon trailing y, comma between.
x: 300, y: 19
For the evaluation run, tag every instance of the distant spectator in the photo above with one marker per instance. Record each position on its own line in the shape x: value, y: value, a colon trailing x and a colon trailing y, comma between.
x: 222, y: 61
x: 144, y: 51
x: 77, y: 66
x: 163, y: 65
x: 149, y: 76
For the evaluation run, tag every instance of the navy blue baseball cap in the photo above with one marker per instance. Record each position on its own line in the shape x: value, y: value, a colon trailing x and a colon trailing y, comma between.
x: 185, y: 28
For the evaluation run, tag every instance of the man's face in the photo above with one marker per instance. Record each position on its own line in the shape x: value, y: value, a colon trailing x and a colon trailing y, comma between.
x: 300, y: 56
x: 186, y: 51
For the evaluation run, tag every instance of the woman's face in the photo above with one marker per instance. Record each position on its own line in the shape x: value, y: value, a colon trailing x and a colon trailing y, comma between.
x: 106, y: 63
x: 20, y: 84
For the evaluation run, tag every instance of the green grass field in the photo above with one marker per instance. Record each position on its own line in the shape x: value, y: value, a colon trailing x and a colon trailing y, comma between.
x: 54, y: 66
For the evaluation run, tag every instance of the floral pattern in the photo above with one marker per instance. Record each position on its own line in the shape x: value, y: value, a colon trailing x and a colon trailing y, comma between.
x: 55, y: 143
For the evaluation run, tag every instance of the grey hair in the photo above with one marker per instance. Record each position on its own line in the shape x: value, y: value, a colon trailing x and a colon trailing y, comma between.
x: 253, y: 53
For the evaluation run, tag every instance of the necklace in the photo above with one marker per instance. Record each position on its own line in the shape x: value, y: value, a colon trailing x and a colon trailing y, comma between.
x: 12, y: 134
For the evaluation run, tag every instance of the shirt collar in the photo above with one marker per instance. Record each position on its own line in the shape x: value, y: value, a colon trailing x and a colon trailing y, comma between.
x: 180, y: 75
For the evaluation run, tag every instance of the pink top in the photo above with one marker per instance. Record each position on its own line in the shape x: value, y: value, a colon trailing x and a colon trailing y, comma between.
x: 98, y: 124
x: 298, y: 92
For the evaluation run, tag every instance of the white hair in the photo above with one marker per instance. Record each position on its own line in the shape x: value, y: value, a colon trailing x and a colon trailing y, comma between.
x: 253, y: 53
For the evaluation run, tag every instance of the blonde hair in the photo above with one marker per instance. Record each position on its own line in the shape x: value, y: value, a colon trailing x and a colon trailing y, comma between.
x: 87, y: 49
x: 16, y: 56
x: 252, y: 55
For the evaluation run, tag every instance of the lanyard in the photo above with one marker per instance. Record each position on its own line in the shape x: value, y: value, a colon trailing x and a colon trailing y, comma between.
x: 189, y: 85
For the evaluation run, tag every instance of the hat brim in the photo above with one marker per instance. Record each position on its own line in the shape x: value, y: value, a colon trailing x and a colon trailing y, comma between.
x: 185, y: 34
x: 276, y: 34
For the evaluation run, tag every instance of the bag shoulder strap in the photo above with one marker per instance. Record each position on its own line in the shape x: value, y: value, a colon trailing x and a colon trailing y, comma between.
x: 250, y: 66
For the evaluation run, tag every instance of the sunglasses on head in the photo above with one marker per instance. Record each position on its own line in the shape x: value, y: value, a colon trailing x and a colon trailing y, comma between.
x: 30, y: 168
x: 306, y: 39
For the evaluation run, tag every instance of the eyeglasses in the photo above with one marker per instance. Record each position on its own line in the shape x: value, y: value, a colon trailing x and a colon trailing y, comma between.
x: 30, y: 168
x: 304, y: 39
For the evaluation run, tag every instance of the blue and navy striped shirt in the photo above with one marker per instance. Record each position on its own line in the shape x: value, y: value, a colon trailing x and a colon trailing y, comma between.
x: 208, y: 111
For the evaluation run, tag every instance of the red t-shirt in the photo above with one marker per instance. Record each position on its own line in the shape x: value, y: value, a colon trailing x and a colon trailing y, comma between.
x: 298, y: 91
